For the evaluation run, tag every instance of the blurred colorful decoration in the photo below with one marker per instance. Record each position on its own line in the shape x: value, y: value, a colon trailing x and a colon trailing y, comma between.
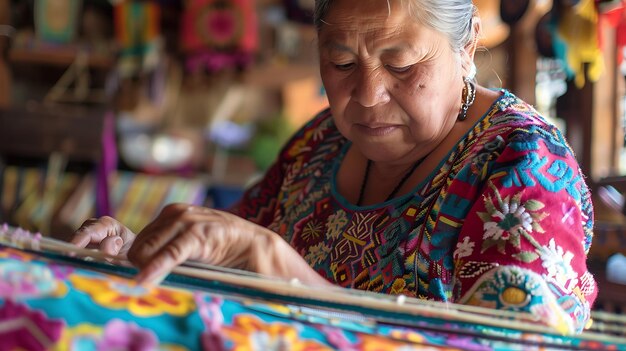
x: 218, y: 34
x: 615, y: 17
x: 578, y: 31
x: 137, y: 30
x: 56, y: 21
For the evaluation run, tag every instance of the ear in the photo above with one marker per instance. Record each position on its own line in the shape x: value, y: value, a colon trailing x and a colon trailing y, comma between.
x: 467, y: 54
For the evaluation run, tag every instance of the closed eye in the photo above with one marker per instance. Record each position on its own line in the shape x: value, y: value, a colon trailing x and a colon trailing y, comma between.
x: 345, y: 66
x: 402, y: 69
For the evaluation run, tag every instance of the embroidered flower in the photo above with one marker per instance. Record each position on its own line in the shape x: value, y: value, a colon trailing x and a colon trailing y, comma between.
x: 248, y: 332
x: 81, y: 337
x: 557, y: 263
x: 118, y: 293
x: 508, y: 218
x: 26, y: 279
x: 115, y: 335
x: 26, y: 329
x: 120, y: 335
x: 336, y: 224
x: 317, y: 253
x: 464, y: 248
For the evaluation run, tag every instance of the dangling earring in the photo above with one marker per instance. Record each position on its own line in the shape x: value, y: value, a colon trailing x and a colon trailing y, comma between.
x: 468, y: 95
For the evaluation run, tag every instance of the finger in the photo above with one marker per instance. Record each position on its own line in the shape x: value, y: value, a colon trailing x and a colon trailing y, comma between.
x: 94, y: 231
x: 164, y: 230
x: 170, y: 256
x: 91, y: 231
x: 111, y: 245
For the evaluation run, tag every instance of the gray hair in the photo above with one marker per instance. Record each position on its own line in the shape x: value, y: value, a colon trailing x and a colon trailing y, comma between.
x: 450, y: 17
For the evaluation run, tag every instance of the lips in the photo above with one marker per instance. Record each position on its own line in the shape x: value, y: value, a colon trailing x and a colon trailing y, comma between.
x: 376, y: 129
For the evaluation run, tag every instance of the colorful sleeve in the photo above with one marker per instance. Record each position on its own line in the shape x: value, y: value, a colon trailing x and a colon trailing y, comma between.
x: 524, y: 243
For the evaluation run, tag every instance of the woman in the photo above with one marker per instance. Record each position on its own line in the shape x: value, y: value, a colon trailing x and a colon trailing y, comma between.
x: 414, y: 182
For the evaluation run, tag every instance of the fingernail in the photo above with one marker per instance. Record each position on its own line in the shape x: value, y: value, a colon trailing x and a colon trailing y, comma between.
x: 118, y: 243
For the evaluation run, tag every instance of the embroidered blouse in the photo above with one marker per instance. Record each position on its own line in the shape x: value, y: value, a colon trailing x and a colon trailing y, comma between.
x: 505, y: 221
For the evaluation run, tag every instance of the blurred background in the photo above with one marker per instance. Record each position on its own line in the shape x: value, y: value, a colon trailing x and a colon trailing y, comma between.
x: 120, y: 107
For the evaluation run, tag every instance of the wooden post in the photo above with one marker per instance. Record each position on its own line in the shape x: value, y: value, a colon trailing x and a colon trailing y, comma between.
x: 576, y: 108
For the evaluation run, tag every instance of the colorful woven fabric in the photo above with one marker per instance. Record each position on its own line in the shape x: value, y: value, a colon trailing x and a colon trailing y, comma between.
x: 52, y: 302
x: 505, y: 221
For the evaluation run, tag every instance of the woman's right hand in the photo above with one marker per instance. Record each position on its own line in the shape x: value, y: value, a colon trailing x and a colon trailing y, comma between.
x: 105, y: 233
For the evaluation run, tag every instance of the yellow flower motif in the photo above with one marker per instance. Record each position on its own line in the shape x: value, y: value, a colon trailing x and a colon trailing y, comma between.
x: 119, y: 293
x: 249, y: 333
x: 89, y: 335
x: 82, y: 333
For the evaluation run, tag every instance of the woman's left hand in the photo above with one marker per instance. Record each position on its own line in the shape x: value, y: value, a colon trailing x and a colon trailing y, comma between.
x: 182, y: 232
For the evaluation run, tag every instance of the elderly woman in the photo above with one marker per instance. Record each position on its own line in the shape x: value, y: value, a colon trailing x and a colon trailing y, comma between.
x: 415, y: 181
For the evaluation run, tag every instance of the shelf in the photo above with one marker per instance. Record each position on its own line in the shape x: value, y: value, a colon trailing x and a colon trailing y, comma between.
x: 58, y: 56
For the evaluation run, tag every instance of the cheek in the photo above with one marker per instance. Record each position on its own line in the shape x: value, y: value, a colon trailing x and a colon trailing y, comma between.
x: 337, y: 89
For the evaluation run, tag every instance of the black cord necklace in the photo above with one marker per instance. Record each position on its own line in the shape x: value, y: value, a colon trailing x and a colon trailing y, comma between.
x: 398, y: 186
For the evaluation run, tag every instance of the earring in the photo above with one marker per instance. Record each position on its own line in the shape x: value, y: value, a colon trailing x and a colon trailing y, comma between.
x: 468, y: 95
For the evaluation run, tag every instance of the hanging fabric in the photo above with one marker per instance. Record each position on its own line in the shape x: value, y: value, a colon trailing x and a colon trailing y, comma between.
x: 137, y: 30
x: 218, y: 34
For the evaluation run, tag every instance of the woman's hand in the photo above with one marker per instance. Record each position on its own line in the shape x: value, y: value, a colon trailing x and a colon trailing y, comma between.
x: 181, y: 232
x: 111, y: 236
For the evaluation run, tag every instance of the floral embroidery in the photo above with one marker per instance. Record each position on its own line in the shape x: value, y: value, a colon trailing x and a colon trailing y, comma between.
x: 24, y: 329
x: 248, y: 332
x: 509, y: 218
x: 115, y: 335
x: 119, y: 293
x: 463, y: 248
x: 119, y: 335
x: 557, y: 263
x: 20, y: 280
x: 317, y: 253
x: 336, y: 223
x: 81, y: 337
x: 210, y: 311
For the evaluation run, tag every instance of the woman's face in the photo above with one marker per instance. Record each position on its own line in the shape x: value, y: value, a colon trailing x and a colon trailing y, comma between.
x: 394, y: 85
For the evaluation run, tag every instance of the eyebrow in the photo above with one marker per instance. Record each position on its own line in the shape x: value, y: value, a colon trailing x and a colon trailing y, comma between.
x: 333, y: 45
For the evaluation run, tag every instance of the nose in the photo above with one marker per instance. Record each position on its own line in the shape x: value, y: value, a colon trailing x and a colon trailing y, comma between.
x: 370, y: 89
